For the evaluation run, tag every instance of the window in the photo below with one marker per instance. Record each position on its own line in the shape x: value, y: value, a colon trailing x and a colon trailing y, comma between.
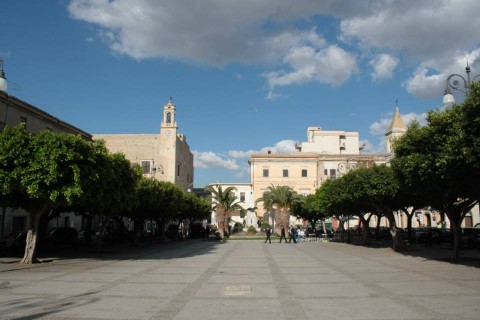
x: 265, y: 173
x: 178, y: 170
x: 285, y: 173
x: 332, y: 173
x: 242, y: 196
x: 23, y: 120
x: 325, y: 172
x: 146, y: 164
x: 304, y: 173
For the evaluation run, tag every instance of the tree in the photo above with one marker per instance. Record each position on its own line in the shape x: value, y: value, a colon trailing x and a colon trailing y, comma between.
x: 439, y: 162
x: 309, y: 209
x: 43, y: 171
x: 224, y: 202
x: 267, y: 201
x: 343, y: 197
x: 281, y: 198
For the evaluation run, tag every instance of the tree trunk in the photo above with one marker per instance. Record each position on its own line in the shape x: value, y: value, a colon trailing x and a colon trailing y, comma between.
x: 99, y: 240
x: 221, y: 222
x: 455, y: 223
x: 409, y: 224
x: 282, y: 217
x: 88, y: 229
x: 365, y: 230
x: 30, y: 255
x: 4, y: 212
x: 397, y: 244
x: 161, y: 229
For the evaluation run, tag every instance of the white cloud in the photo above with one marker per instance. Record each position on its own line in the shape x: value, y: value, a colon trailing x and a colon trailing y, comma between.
x: 431, y: 36
x: 383, y: 67
x: 331, y: 65
x: 271, y: 95
x: 281, y: 147
x: 380, y: 127
x: 211, y: 160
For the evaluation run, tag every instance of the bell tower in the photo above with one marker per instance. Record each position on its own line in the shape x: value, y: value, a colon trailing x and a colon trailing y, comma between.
x: 396, y: 129
x: 168, y: 127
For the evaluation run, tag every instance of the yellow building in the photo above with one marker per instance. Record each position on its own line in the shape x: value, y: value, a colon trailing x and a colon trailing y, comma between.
x: 325, y: 155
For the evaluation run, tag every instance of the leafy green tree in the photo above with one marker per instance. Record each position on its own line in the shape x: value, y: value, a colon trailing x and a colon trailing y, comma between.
x: 43, y: 172
x: 159, y: 201
x: 195, y: 208
x: 439, y: 162
x: 171, y: 202
x: 309, y: 209
x: 341, y: 197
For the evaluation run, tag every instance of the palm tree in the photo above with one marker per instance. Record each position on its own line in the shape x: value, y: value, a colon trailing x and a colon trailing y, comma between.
x: 224, y: 202
x: 281, y: 198
x: 267, y: 200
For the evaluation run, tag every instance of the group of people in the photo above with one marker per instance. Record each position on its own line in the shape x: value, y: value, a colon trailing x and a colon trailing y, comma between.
x: 292, y: 235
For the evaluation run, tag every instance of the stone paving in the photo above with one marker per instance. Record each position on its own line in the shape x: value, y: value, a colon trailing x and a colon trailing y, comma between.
x: 246, y: 279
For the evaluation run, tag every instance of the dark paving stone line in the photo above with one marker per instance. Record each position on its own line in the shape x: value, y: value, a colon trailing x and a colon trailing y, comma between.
x: 174, y: 306
x: 291, y: 307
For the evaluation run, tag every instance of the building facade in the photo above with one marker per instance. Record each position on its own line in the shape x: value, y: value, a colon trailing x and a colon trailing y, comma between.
x: 325, y: 155
x: 165, y: 156
x: 14, y: 111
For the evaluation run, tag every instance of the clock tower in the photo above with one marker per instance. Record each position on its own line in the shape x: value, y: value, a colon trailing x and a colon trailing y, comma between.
x: 169, y: 127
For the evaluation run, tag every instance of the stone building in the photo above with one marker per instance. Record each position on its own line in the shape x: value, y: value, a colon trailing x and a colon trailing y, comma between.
x: 165, y: 156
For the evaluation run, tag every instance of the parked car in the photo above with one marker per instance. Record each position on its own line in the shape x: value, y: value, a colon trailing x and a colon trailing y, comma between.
x: 419, y: 234
x: 470, y: 237
x: 59, y: 237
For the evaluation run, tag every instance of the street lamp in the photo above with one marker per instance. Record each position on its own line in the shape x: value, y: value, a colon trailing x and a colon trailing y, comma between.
x: 454, y: 81
x: 3, y: 80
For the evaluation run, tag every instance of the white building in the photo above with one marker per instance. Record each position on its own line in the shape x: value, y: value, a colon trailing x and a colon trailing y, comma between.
x: 245, y: 198
x: 330, y: 142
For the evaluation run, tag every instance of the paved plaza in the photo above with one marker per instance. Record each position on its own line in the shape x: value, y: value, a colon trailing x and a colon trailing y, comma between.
x: 245, y: 279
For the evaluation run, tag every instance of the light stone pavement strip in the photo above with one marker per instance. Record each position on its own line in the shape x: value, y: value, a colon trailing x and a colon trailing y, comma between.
x: 246, y: 279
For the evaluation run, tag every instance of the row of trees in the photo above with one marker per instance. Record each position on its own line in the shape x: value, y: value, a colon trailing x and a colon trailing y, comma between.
x: 53, y: 172
x: 436, y: 165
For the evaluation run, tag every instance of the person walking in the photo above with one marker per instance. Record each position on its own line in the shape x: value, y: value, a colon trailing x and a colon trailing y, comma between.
x: 282, y: 235
x: 292, y: 235
x: 268, y: 232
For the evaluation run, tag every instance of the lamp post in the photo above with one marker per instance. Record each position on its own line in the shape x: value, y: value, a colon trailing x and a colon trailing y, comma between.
x: 3, y: 80
x: 455, y: 81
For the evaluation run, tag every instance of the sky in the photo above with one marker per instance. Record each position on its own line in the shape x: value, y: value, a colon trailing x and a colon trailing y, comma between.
x: 246, y: 76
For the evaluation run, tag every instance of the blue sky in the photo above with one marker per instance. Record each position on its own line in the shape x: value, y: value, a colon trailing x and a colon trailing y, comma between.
x: 246, y: 76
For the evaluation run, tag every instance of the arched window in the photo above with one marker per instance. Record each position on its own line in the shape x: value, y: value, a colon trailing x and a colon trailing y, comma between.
x: 169, y: 117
